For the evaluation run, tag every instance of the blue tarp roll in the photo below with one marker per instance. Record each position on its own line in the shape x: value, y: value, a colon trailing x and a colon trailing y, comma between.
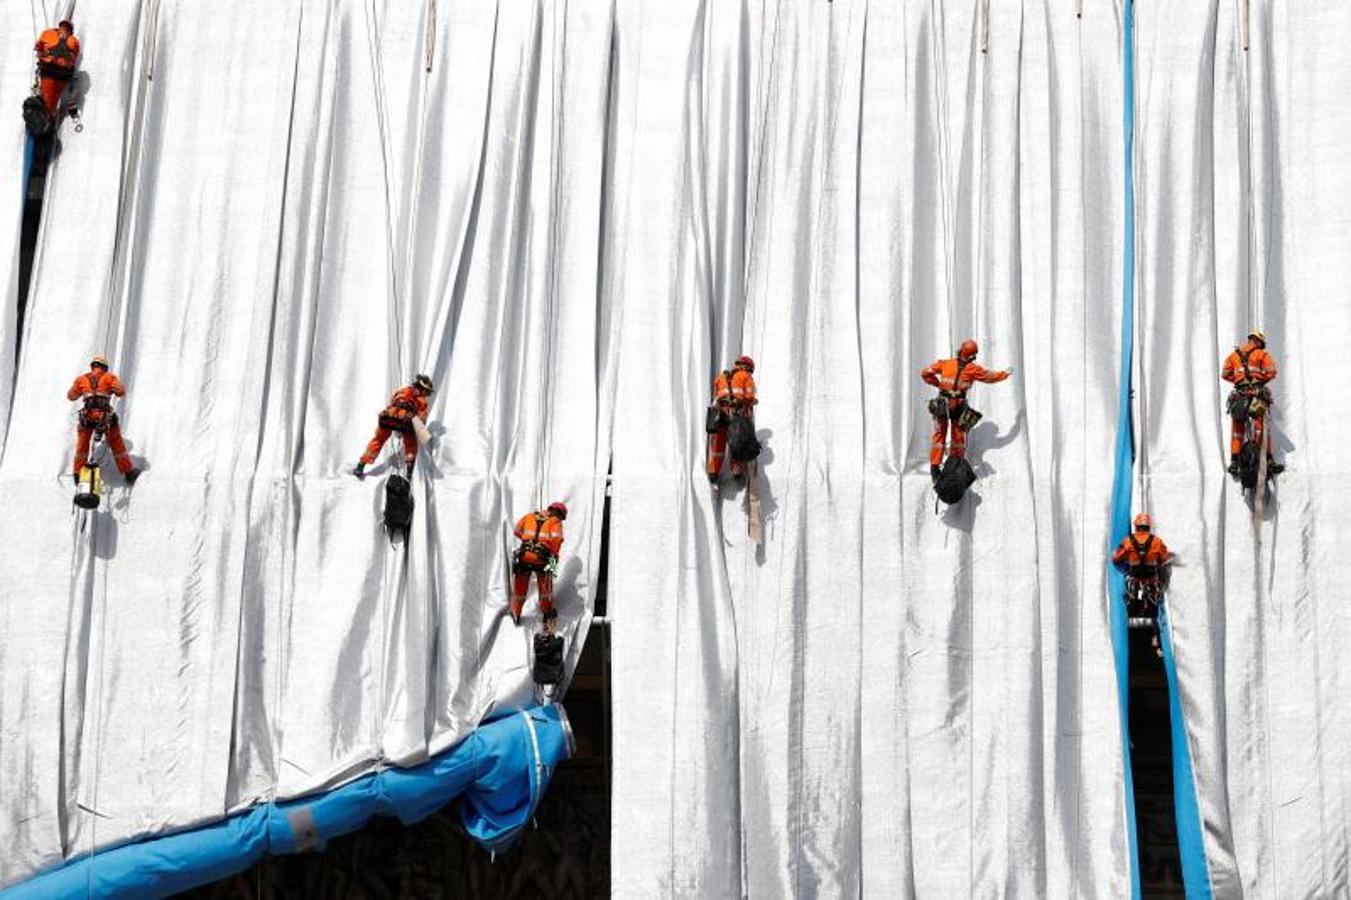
x: 501, y: 771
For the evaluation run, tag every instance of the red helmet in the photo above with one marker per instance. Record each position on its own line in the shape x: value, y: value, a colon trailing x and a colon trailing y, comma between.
x: 968, y: 350
x: 746, y: 362
x: 559, y: 508
x: 1143, y: 522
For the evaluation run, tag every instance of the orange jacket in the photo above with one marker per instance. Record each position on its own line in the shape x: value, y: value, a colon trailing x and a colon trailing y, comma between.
x: 943, y: 375
x: 53, y: 51
x: 736, y: 388
x: 1156, y: 554
x: 541, y: 527
x: 96, y: 384
x: 1261, y: 367
x: 405, y: 404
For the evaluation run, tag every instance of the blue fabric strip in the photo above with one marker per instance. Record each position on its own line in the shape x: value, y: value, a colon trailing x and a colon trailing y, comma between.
x: 502, y: 770
x: 1195, y: 870
x: 1125, y: 444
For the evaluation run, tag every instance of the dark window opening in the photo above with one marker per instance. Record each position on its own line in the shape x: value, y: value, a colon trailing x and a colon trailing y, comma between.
x: 35, y: 192
x: 1152, y: 770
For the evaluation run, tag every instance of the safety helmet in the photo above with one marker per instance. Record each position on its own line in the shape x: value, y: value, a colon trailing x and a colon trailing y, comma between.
x: 746, y: 363
x: 968, y: 350
x: 1257, y: 335
x: 1143, y: 522
x: 423, y: 383
x: 66, y: 24
x: 559, y: 508
x: 101, y: 361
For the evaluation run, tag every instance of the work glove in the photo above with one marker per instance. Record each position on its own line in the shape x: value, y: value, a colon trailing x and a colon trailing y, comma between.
x: 552, y: 567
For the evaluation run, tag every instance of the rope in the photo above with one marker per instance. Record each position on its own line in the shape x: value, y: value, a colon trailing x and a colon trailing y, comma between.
x: 1245, y: 83
x: 749, y: 249
x: 430, y: 55
x: 1139, y: 377
x: 381, y: 119
x: 549, y: 392
x: 944, y: 165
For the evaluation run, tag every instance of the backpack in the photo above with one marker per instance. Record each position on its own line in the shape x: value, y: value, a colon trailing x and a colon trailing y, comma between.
x: 548, y: 658
x: 952, y: 482
x: 741, y: 440
x: 398, y: 504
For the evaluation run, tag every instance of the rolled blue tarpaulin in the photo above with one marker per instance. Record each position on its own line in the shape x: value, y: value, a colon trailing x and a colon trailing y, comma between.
x: 500, y: 771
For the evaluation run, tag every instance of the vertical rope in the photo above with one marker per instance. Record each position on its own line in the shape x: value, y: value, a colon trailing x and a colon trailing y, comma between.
x: 548, y: 391
x: 1249, y: 212
x: 764, y: 96
x: 938, y: 32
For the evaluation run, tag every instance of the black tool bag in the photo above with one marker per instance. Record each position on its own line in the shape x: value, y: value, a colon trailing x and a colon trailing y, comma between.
x: 1238, y: 406
x: 35, y: 118
x: 938, y: 407
x: 1249, y: 458
x: 956, y: 477
x: 398, y: 503
x: 741, y: 440
x: 714, y: 420
x: 548, y: 658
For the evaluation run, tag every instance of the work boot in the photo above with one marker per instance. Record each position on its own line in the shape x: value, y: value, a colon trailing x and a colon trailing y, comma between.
x: 712, y: 477
x: 516, y: 607
x: 131, y: 476
x: 935, y: 471
x: 1233, y: 466
x: 1273, y: 467
x: 360, y: 471
x: 76, y: 477
x: 410, y: 470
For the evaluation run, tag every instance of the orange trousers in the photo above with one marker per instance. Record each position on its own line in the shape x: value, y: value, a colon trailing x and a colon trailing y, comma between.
x: 940, y: 435
x: 381, y: 435
x: 520, y: 585
x: 52, y: 89
x: 1236, y: 434
x: 114, y: 436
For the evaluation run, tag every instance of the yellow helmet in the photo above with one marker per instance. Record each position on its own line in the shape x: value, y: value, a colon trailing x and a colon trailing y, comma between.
x: 101, y: 361
x: 1257, y: 335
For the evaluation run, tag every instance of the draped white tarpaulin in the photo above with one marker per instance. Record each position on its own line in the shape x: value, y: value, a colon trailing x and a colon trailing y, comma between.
x: 571, y: 215
x: 1258, y: 613
x: 879, y: 699
x: 267, y: 244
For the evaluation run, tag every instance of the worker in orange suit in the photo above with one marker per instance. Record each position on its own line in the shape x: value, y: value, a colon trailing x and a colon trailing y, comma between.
x: 1249, y: 368
x: 58, y: 51
x: 953, y: 378
x: 407, y: 403
x: 541, y: 537
x: 1144, y: 558
x: 733, y: 396
x: 96, y: 388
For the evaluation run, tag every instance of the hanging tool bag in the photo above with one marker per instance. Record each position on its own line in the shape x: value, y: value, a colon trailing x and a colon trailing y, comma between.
x: 741, y: 440
x: 89, y: 488
x: 1249, y: 459
x: 965, y: 416
x: 952, y: 482
x: 715, y: 419
x: 548, y: 658
x: 35, y: 118
x: 398, y: 503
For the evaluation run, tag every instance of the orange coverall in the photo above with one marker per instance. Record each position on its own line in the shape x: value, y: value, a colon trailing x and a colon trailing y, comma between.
x: 398, y: 416
x: 56, y: 65
x: 1261, y: 369
x: 944, y: 375
x: 734, y: 393
x: 96, y: 387
x: 1127, y: 557
x: 541, y: 536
